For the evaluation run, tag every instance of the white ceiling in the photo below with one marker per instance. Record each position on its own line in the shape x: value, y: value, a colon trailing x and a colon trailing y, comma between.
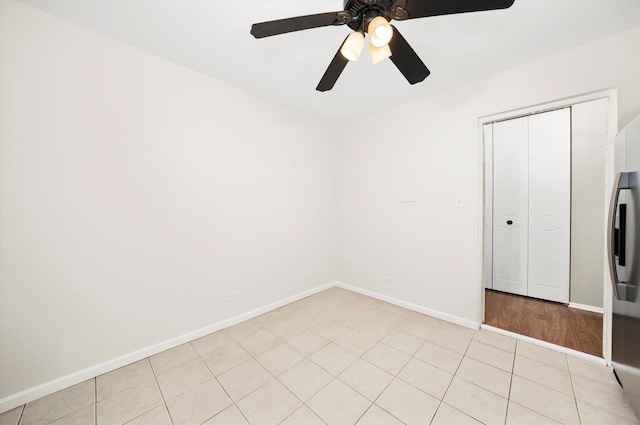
x: 213, y: 37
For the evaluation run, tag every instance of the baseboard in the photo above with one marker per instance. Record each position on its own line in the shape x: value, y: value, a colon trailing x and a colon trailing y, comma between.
x: 33, y: 393
x: 587, y: 308
x: 66, y: 381
x: 545, y: 344
x: 414, y: 307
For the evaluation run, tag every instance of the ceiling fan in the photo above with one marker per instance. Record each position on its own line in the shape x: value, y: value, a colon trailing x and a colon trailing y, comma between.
x: 372, y: 17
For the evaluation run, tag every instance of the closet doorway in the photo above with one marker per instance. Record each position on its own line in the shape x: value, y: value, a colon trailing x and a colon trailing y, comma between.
x: 544, y: 223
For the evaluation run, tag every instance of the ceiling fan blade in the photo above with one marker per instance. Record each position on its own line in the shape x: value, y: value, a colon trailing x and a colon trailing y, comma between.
x: 333, y: 71
x: 406, y: 59
x: 423, y: 8
x: 282, y: 26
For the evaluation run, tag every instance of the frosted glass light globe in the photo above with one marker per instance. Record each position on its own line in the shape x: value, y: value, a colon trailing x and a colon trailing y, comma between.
x: 380, y: 31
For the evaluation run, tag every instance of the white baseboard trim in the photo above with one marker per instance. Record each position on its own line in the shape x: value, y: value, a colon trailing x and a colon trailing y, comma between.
x: 587, y: 308
x: 33, y: 393
x: 545, y: 344
x: 415, y: 307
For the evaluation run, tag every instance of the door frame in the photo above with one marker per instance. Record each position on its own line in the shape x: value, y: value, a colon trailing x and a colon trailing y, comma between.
x: 611, y: 95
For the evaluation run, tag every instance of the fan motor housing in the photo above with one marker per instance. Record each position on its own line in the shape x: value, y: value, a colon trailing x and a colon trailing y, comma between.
x: 358, y: 5
x: 361, y: 10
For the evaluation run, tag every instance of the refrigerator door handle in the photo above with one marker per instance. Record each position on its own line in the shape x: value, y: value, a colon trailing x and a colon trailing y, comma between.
x: 621, y: 182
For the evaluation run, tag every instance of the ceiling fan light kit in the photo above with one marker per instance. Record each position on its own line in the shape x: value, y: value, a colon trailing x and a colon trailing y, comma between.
x: 352, y: 46
x: 380, y: 31
x: 373, y: 17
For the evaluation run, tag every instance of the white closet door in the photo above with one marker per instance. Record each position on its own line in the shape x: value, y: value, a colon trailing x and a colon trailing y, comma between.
x: 510, y: 193
x: 549, y: 205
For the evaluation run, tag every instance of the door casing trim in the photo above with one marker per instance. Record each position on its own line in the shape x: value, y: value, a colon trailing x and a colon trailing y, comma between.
x: 611, y: 94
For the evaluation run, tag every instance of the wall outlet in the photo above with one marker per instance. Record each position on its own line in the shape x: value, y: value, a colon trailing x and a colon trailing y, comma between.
x: 232, y: 295
x: 390, y: 280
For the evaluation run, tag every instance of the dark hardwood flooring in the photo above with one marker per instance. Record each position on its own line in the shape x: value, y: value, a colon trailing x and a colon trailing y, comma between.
x: 545, y: 320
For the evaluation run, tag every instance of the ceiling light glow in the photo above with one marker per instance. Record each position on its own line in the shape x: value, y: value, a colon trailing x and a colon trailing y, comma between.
x: 380, y: 31
x: 353, y: 46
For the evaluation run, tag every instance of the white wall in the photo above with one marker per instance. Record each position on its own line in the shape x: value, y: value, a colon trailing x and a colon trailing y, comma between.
x: 136, y: 193
x: 588, y: 193
x: 432, y: 145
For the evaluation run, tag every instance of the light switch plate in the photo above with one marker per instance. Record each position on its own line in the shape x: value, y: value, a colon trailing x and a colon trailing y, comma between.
x: 459, y: 201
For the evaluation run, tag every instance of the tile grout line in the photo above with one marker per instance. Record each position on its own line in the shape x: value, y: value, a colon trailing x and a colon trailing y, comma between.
x: 458, y: 367
x: 233, y: 403
x: 445, y: 392
x: 440, y: 401
x: 410, y: 357
x: 281, y: 341
x: 284, y: 341
x: 303, y: 405
x: 531, y: 408
x: 387, y: 386
x: 71, y: 413
x: 236, y: 406
x: 252, y: 357
x: 396, y: 376
x: 122, y: 390
x: 164, y: 402
x: 24, y: 406
x: 361, y: 358
x: 365, y: 411
x: 463, y: 356
x: 453, y: 377
x: 549, y: 388
x: 334, y: 378
x: 513, y: 368
x: 554, y: 367
x: 573, y: 389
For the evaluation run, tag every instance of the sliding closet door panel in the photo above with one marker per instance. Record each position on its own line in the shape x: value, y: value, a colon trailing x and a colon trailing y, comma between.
x: 549, y: 205
x: 510, y: 181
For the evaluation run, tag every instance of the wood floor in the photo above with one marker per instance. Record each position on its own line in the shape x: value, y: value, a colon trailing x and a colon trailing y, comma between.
x: 548, y: 321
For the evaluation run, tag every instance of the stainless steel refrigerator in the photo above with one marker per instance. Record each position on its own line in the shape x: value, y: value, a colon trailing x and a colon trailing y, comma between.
x: 624, y: 262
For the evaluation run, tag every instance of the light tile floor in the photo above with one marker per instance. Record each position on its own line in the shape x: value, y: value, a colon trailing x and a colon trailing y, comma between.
x: 340, y: 358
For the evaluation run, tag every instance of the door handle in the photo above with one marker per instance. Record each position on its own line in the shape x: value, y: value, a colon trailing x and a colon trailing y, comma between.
x: 621, y: 243
x: 620, y: 182
x: 509, y: 222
